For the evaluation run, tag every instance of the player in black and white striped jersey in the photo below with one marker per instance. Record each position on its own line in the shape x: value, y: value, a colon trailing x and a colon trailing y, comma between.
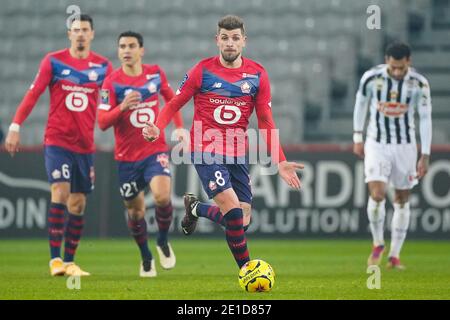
x: 393, y: 92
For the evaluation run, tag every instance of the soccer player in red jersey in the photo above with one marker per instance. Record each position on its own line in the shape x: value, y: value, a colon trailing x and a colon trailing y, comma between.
x: 74, y: 77
x: 226, y: 90
x: 130, y: 100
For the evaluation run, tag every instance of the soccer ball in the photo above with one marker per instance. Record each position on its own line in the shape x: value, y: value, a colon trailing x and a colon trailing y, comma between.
x: 256, y: 276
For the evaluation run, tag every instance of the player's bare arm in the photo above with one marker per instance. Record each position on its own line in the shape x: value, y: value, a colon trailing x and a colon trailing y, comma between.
x: 422, y: 165
x: 150, y: 132
x: 288, y: 172
x: 358, y: 145
x: 12, y: 141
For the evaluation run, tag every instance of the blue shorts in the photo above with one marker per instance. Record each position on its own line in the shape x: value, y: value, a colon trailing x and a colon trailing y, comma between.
x: 63, y: 165
x: 135, y: 176
x: 221, y: 175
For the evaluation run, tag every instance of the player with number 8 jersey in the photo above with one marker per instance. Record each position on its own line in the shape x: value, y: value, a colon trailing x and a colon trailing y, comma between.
x: 227, y: 89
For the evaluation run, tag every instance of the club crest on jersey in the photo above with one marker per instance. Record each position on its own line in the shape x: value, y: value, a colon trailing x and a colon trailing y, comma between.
x: 56, y: 174
x: 393, y: 95
x: 93, y: 76
x: 104, y: 94
x: 245, y: 87
x: 152, y: 87
x: 163, y: 160
x: 212, y: 185
x: 92, y: 174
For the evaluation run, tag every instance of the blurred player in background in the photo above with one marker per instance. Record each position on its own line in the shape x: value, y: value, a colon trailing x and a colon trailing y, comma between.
x: 226, y: 89
x: 393, y: 91
x: 130, y: 99
x: 74, y: 77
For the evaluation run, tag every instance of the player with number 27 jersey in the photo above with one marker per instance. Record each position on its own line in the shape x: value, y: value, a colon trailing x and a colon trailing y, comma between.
x: 128, y: 124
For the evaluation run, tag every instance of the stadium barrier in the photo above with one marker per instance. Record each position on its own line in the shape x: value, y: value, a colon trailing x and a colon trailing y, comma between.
x: 331, y: 203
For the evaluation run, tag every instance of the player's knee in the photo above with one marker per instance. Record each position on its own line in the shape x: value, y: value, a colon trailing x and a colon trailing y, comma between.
x: 161, y: 199
x: 401, y: 197
x: 60, y: 194
x: 135, y: 213
x: 377, y: 196
x: 247, y: 215
x: 76, y: 206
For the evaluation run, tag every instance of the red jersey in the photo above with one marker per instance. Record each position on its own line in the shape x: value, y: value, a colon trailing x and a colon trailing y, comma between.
x: 130, y: 145
x: 224, y: 100
x: 74, y: 85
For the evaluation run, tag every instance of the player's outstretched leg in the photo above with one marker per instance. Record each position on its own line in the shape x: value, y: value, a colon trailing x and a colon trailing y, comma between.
x: 164, y: 217
x: 189, y: 221
x: 196, y: 209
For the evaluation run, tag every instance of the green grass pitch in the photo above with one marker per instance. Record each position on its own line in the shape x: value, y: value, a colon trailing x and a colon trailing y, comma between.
x: 305, y: 269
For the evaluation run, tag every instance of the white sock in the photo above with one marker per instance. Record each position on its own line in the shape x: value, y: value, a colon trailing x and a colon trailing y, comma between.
x: 376, y: 213
x: 399, y: 228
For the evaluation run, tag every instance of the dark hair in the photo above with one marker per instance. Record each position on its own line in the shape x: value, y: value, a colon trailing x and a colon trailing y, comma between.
x: 398, y: 50
x: 132, y: 34
x: 231, y: 22
x: 83, y: 17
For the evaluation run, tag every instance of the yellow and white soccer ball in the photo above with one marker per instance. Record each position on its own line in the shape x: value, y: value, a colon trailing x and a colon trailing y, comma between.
x: 256, y: 276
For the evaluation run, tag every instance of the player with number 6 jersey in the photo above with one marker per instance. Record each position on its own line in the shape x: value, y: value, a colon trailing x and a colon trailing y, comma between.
x: 130, y: 99
x: 74, y: 77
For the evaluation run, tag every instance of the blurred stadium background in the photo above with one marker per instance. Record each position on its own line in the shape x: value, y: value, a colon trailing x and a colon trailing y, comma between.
x: 315, y: 53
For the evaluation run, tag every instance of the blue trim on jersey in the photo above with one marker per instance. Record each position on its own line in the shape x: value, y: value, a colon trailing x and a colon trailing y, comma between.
x: 248, y: 86
x: 62, y: 71
x: 143, y: 90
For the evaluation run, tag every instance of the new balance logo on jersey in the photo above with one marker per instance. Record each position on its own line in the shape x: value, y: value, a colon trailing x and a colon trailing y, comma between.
x: 65, y: 72
x: 217, y: 85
